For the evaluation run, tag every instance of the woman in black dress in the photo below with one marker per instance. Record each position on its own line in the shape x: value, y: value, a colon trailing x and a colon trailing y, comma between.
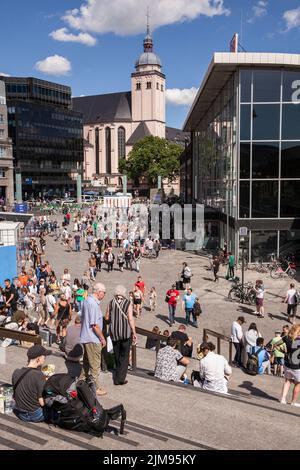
x: 64, y: 316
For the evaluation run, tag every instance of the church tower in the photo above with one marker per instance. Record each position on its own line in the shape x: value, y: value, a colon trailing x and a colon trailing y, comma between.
x: 148, y: 90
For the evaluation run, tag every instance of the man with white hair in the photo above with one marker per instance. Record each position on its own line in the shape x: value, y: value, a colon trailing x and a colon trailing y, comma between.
x: 91, y: 336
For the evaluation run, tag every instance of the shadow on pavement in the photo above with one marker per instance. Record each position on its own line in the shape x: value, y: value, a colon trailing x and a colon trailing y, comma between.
x: 257, y: 392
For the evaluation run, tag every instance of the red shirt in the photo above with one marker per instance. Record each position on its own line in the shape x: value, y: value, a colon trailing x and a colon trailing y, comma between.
x: 173, y: 294
x: 141, y: 286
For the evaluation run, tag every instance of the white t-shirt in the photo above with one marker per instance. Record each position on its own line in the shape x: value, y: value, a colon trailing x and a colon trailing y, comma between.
x: 50, y: 303
x: 291, y: 296
x: 260, y: 293
x: 236, y: 332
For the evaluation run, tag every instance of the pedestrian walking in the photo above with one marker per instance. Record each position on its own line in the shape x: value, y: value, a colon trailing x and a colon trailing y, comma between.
x: 237, y: 340
x: 216, y: 268
x: 92, y: 267
x: 91, y: 336
x: 152, y: 299
x: 77, y: 239
x: 119, y: 316
x: 291, y: 300
x: 188, y: 304
x: 172, y: 297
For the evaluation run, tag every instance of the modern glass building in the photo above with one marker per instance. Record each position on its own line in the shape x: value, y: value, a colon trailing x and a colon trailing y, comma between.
x: 47, y: 135
x: 245, y: 126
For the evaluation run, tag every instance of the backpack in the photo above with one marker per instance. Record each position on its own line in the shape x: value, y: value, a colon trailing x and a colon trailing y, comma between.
x: 252, y: 363
x: 297, y: 298
x: 74, y: 406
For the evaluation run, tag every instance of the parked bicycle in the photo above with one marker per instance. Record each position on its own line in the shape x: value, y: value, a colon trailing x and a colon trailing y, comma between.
x: 242, y: 294
x: 278, y: 272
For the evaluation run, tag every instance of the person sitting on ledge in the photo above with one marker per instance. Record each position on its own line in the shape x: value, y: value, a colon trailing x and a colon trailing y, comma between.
x: 214, y: 370
x: 28, y: 384
x: 170, y: 363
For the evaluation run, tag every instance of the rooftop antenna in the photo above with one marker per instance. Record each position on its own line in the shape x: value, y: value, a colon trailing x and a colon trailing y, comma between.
x: 148, y: 20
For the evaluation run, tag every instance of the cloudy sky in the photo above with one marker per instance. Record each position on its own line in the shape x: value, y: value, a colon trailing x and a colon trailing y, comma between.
x: 92, y: 45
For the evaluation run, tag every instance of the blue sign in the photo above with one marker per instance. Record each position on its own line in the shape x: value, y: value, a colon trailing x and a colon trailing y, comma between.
x: 28, y: 180
x: 21, y: 208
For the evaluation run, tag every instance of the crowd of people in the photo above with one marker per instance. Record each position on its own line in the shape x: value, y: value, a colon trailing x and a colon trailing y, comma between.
x: 43, y: 300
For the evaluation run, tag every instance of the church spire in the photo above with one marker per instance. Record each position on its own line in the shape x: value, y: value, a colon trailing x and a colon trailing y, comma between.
x: 148, y: 41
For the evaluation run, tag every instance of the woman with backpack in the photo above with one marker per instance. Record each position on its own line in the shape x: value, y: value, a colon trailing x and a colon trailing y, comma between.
x: 292, y: 365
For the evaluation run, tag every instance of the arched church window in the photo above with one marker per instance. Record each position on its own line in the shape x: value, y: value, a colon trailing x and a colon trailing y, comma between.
x: 106, y: 181
x: 162, y: 88
x: 157, y: 86
x: 121, y: 143
x: 108, y: 149
x: 138, y: 86
x: 149, y: 85
x: 120, y: 184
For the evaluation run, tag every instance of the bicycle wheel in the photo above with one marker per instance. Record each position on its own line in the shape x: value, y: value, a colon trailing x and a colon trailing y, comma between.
x: 292, y: 273
x: 275, y: 274
x: 251, y: 298
x: 235, y: 295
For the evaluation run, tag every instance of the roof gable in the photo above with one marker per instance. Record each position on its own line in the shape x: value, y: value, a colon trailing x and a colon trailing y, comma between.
x: 112, y: 107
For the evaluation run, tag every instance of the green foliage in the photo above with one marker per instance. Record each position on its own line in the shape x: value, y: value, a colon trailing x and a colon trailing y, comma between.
x: 152, y: 157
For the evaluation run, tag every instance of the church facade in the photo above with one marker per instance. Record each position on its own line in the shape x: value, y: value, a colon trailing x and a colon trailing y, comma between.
x: 114, y: 122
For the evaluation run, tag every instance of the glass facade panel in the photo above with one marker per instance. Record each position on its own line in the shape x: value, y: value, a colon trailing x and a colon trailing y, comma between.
x: 290, y: 121
x: 244, y: 199
x: 263, y: 245
x: 108, y: 149
x: 290, y: 199
x: 264, y: 199
x: 245, y: 154
x: 245, y: 131
x: 266, y: 86
x: 265, y: 160
x: 246, y: 80
x: 290, y: 160
x: 266, y: 121
x: 290, y: 86
x: 290, y: 243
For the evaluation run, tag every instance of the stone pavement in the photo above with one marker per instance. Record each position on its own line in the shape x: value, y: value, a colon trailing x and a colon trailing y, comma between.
x: 164, y: 416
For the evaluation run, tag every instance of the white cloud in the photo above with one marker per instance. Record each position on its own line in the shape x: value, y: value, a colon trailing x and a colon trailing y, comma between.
x: 64, y: 36
x: 125, y: 17
x: 183, y: 97
x: 4, y: 74
x: 54, y: 65
x: 292, y: 18
x: 259, y: 10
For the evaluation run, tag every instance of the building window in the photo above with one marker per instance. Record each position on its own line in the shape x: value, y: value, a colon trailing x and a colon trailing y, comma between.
x: 265, y: 160
x: 157, y: 86
x: 108, y: 149
x: 149, y: 85
x: 138, y: 86
x: 245, y: 131
x: 290, y: 195
x: 290, y: 161
x: 121, y: 143
x: 290, y: 122
x: 266, y: 121
x: 246, y: 83
x: 106, y: 181
x: 120, y: 184
x: 1, y: 133
x: 1, y: 118
x: 2, y: 152
x: 265, y: 199
x: 266, y: 86
x: 162, y: 88
x: 97, y: 150
x: 245, y: 154
x: 2, y: 173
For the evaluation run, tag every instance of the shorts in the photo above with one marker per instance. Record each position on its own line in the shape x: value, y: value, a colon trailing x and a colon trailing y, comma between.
x: 279, y: 361
x: 259, y: 302
x: 137, y: 301
x: 291, y: 374
x: 292, y: 310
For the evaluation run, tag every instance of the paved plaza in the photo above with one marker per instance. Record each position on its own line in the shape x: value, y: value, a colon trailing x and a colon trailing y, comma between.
x: 161, y: 415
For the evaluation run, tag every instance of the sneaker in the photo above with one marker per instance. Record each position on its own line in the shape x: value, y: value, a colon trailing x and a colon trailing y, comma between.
x: 296, y: 404
x: 283, y: 402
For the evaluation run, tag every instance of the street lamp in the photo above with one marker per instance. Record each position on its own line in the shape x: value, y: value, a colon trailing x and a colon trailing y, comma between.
x: 242, y: 244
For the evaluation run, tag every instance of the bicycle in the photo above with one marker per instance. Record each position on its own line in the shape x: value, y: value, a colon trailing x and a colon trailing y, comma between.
x: 277, y: 272
x: 242, y: 294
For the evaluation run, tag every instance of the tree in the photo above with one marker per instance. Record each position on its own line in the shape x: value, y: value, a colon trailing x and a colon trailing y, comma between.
x: 152, y: 157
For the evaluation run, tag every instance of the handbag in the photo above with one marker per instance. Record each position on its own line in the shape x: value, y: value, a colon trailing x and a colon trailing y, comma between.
x: 109, y: 345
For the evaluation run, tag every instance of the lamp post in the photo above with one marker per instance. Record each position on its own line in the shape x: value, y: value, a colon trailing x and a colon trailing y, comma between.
x: 242, y: 244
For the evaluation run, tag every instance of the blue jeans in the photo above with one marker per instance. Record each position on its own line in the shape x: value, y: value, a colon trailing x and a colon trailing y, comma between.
x: 77, y: 247
x: 172, y: 310
x: 79, y: 304
x: 36, y: 416
x: 188, y: 313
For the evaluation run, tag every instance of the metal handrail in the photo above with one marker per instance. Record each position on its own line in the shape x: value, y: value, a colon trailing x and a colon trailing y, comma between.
x: 220, y: 337
x: 147, y: 334
x: 20, y: 335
